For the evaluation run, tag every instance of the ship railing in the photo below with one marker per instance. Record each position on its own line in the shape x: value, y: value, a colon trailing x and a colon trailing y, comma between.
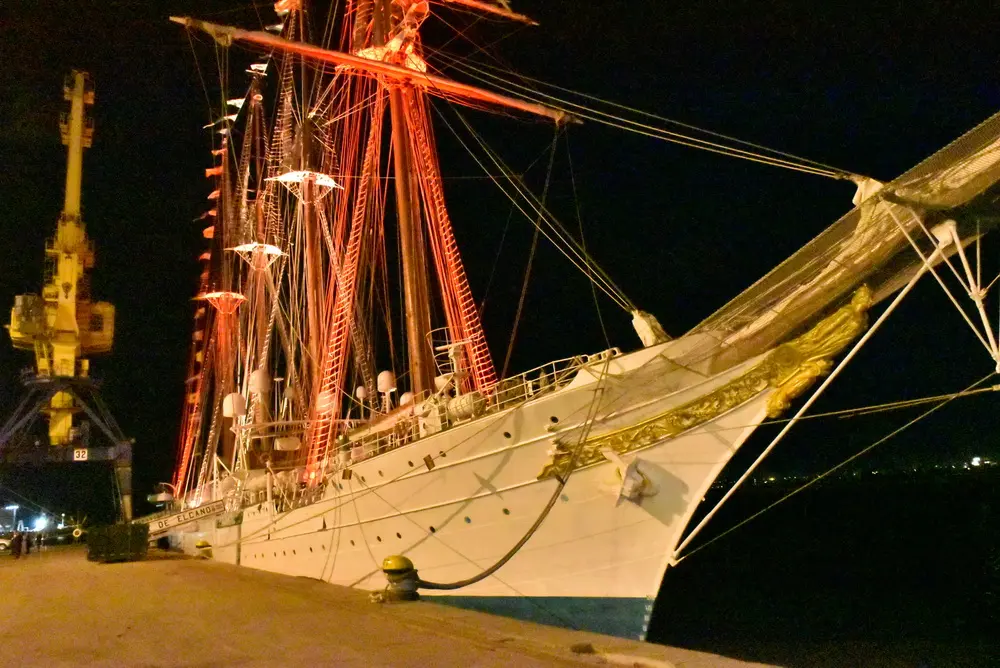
x: 404, y: 432
x: 262, y: 430
x: 287, y: 495
x: 509, y: 392
x: 543, y: 379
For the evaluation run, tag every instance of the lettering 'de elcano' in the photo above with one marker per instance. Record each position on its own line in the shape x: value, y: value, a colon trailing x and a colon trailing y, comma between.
x: 165, y: 523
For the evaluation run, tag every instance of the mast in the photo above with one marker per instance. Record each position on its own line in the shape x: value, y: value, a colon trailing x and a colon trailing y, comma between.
x: 381, y: 61
x: 313, y: 263
x: 431, y: 83
x: 417, y: 299
x: 314, y: 287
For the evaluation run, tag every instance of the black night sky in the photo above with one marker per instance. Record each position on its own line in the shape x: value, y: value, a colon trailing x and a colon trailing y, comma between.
x: 871, y: 88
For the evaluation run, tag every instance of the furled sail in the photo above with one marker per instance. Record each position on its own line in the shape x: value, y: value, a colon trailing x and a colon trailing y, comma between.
x: 869, y: 244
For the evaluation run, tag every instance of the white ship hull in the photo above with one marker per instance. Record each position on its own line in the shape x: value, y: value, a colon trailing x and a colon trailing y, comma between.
x: 595, y: 562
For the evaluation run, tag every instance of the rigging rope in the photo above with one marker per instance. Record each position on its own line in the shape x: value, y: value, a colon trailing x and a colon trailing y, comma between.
x: 579, y: 220
x: 658, y: 117
x: 788, y: 161
x: 531, y: 600
x: 588, y: 424
x: 890, y: 406
x: 493, y: 269
x: 966, y: 392
x: 28, y: 501
x: 201, y: 77
x: 562, y: 241
x: 531, y: 259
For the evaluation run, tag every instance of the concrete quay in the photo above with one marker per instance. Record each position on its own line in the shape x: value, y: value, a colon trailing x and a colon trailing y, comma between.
x: 58, y: 609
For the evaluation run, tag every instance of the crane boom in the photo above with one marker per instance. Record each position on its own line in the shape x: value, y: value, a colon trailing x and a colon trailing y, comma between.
x: 63, y: 324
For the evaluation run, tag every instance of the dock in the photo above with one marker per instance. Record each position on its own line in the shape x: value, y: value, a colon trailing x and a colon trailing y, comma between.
x: 58, y: 609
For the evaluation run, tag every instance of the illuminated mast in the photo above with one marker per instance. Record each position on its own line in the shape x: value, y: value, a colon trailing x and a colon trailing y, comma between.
x: 384, y: 47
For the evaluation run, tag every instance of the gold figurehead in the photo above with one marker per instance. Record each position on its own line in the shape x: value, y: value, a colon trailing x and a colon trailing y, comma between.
x: 63, y: 324
x: 787, y: 371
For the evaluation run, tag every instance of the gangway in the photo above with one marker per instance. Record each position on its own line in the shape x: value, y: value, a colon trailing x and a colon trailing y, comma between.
x: 161, y: 524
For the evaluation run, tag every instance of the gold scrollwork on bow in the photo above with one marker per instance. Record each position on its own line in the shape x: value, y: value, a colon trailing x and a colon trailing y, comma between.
x: 790, y: 369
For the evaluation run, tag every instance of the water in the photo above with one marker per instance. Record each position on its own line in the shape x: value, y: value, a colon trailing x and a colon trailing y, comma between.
x: 894, y: 571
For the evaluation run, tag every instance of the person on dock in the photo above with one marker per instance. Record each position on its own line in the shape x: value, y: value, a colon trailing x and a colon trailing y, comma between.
x: 15, y: 544
x: 26, y: 541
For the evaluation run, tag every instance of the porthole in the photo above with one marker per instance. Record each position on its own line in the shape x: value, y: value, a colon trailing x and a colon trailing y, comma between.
x: 410, y: 463
x: 506, y: 434
x: 294, y: 552
x: 442, y: 453
x: 380, y: 473
x: 433, y: 529
x: 362, y: 478
x: 399, y: 535
x: 506, y: 511
x: 310, y: 549
x: 323, y: 547
x: 284, y: 554
x: 553, y: 419
x: 275, y: 554
x: 468, y: 520
x: 352, y: 543
x: 378, y: 538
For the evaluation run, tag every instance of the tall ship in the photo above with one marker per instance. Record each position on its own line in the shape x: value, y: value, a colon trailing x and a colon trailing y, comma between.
x: 345, y: 418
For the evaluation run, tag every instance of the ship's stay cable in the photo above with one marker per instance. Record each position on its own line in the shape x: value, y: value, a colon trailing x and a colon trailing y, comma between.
x: 570, y: 248
x: 506, y: 227
x: 531, y: 259
x: 496, y: 263
x: 788, y: 161
x: 969, y: 390
x: 552, y: 230
x: 874, y: 409
x: 484, y: 49
x: 459, y: 33
x: 466, y: 63
x: 201, y: 77
x: 577, y: 255
x: 27, y: 501
x: 579, y: 220
x: 664, y: 119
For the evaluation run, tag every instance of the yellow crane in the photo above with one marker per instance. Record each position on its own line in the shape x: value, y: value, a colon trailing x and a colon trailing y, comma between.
x: 62, y: 325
